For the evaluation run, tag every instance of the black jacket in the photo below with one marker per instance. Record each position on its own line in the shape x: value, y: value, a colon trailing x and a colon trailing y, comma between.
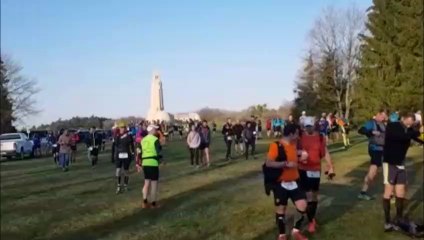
x: 397, y: 141
x: 238, y: 129
x: 227, y: 130
x: 124, y: 144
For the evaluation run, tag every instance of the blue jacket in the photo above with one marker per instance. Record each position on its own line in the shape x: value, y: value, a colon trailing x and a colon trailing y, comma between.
x: 375, y: 143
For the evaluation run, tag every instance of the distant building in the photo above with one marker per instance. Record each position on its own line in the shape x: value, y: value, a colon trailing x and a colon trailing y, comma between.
x: 187, y: 116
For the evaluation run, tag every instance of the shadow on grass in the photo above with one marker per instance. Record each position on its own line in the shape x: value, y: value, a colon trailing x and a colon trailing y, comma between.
x: 153, y: 216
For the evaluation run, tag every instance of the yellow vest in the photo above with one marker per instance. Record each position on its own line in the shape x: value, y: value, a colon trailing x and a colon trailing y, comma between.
x: 149, y: 154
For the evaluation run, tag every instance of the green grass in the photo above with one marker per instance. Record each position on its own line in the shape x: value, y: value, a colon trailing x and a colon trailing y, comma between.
x: 227, y: 201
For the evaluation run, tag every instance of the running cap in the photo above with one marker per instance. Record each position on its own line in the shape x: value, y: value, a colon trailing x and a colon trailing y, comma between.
x: 152, y: 127
x: 309, y: 121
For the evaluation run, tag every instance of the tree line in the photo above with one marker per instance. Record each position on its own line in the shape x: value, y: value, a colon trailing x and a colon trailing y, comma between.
x: 361, y: 61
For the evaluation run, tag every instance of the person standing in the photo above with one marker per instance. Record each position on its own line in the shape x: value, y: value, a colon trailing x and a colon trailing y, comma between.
x: 249, y: 140
x: 238, y: 141
x: 259, y: 129
x: 214, y: 127
x: 74, y: 141
x: 315, y: 146
x: 150, y: 159
x: 193, y: 142
x: 302, y: 118
x: 268, y: 127
x: 227, y: 132
x: 397, y: 142
x: 283, y: 155
x: 375, y: 131
x: 64, y: 150
x: 205, y: 140
x: 93, y: 144
x: 124, y: 153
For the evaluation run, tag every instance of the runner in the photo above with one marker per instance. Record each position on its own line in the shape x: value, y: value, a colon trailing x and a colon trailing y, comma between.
x: 397, y: 142
x: 259, y: 129
x: 324, y: 127
x: 283, y: 155
x: 205, y: 140
x: 249, y: 140
x: 375, y: 131
x: 268, y: 127
x: 343, y: 127
x: 214, y: 127
x: 315, y: 146
x: 238, y: 141
x: 124, y: 153
x: 93, y: 144
x: 302, y: 118
x: 150, y: 156
x: 193, y: 142
x: 227, y: 132
x: 64, y: 150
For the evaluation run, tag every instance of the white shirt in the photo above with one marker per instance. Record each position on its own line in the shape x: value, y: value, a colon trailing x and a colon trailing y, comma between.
x: 418, y: 118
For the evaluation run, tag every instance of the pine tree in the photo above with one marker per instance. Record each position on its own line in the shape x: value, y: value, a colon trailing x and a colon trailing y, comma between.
x: 6, y: 112
x: 391, y: 72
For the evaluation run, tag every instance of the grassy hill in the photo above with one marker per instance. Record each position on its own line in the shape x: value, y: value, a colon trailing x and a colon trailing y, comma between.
x: 227, y: 201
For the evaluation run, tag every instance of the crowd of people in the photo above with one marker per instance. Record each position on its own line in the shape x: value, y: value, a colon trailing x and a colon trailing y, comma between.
x: 292, y: 170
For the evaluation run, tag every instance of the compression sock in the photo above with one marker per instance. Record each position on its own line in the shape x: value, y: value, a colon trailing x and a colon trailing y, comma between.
x: 399, y: 208
x: 311, y: 210
x: 281, y: 223
x: 386, y: 207
x: 299, y: 222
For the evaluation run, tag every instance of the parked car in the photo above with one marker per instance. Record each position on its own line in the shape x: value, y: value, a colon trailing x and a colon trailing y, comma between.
x: 15, y: 145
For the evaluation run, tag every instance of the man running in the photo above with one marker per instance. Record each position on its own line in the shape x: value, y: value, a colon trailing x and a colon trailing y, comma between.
x: 398, y: 139
x: 283, y: 155
x: 375, y: 130
x: 249, y: 140
x: 238, y: 141
x: 93, y: 144
x: 227, y: 132
x: 124, y: 152
x: 314, y: 144
x: 150, y: 156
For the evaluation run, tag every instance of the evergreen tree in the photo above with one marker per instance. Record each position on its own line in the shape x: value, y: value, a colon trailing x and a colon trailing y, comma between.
x: 6, y: 112
x: 391, y: 72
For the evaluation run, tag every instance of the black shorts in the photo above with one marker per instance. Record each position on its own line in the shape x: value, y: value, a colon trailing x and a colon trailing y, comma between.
x: 278, y: 129
x: 394, y: 175
x: 282, y: 195
x: 94, y: 152
x: 376, y: 157
x: 203, y: 146
x: 308, y: 184
x: 123, y: 162
x: 151, y: 173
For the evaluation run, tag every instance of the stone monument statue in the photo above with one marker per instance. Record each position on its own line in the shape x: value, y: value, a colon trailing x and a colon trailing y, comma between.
x: 157, y: 108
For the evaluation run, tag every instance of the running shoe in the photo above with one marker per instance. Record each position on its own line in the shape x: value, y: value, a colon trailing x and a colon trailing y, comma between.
x: 297, y: 235
x: 312, y: 226
x: 118, y: 190
x: 365, y: 196
x: 388, y: 227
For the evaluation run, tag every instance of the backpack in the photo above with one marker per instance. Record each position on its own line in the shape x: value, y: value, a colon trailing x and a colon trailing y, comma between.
x: 271, y: 175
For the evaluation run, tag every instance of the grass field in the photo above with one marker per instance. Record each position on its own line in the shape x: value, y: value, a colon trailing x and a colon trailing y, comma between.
x: 227, y: 201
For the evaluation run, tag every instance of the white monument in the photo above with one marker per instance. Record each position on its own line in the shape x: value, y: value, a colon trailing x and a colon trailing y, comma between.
x: 157, y: 108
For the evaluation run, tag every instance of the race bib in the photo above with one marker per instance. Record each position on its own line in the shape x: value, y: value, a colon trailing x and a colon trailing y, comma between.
x: 54, y: 145
x: 122, y: 155
x: 90, y: 149
x: 229, y: 138
x: 313, y: 174
x: 289, y: 185
x: 254, y: 133
x: 400, y: 167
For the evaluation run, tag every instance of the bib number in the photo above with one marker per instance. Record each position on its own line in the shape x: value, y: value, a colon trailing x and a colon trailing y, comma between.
x: 289, y: 185
x: 123, y: 155
x: 313, y: 174
x: 90, y: 149
x: 229, y: 138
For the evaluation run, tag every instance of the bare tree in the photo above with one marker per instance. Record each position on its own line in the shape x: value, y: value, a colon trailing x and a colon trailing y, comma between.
x: 21, y: 90
x: 335, y: 33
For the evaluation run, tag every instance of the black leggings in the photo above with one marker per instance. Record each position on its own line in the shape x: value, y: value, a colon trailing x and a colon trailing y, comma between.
x: 229, y: 144
x: 194, y: 153
x: 251, y: 143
